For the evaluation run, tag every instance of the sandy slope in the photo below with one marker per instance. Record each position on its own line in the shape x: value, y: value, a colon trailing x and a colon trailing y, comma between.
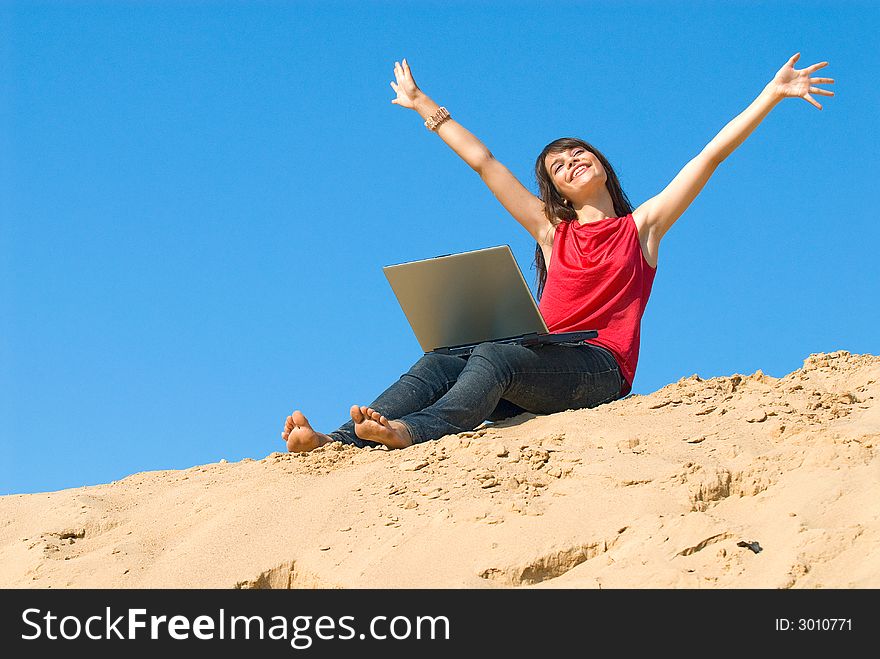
x: 651, y: 491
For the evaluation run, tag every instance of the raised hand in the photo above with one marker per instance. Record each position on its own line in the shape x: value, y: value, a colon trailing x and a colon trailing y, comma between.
x: 405, y: 87
x: 789, y: 81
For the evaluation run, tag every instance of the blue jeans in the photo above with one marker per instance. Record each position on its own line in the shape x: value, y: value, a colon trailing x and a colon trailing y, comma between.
x: 443, y: 394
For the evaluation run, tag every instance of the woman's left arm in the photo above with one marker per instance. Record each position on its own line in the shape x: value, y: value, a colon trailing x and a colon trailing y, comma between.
x: 656, y: 215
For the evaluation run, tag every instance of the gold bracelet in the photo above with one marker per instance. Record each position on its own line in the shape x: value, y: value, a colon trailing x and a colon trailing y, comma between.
x: 434, y: 121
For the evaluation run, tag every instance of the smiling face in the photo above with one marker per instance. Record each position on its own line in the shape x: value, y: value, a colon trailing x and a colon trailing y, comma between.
x: 576, y: 172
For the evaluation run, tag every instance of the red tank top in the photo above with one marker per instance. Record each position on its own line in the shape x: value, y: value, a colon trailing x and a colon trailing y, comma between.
x: 598, y: 279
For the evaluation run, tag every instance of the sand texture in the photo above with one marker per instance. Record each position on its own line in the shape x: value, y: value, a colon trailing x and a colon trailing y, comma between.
x: 667, y: 490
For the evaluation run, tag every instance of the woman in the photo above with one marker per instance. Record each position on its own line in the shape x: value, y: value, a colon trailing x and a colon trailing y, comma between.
x: 596, y: 257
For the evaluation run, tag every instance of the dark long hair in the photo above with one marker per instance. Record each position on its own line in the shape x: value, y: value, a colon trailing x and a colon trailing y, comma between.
x: 554, y: 208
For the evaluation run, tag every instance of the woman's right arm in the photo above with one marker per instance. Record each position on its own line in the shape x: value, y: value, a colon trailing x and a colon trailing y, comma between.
x: 525, y: 207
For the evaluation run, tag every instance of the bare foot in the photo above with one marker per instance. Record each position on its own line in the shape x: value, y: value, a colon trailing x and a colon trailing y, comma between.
x: 300, y: 436
x: 369, y: 424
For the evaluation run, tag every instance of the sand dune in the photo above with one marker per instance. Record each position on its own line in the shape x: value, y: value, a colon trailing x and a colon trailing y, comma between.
x: 746, y: 481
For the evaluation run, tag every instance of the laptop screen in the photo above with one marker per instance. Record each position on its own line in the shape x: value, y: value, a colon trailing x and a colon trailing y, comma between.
x: 464, y: 298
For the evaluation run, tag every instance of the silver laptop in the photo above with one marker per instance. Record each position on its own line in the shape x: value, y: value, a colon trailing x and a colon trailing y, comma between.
x: 455, y: 302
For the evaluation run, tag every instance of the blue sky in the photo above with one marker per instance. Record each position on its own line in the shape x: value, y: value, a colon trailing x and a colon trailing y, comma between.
x: 197, y: 199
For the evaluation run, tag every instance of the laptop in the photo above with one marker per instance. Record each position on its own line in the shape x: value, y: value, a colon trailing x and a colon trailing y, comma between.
x: 455, y: 302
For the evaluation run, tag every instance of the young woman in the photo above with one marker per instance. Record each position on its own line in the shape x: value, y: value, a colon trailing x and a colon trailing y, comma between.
x: 596, y: 257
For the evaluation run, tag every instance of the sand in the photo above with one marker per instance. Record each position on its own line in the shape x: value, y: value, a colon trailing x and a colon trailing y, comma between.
x: 746, y: 481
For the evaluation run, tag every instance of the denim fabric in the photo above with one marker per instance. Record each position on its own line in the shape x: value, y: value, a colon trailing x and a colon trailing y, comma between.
x: 444, y: 394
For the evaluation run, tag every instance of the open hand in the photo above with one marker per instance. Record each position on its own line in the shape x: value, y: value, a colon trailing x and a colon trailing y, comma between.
x: 791, y: 82
x: 405, y: 87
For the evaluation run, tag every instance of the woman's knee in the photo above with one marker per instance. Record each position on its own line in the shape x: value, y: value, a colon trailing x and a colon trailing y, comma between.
x: 434, y: 364
x: 487, y: 350
x: 497, y: 355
